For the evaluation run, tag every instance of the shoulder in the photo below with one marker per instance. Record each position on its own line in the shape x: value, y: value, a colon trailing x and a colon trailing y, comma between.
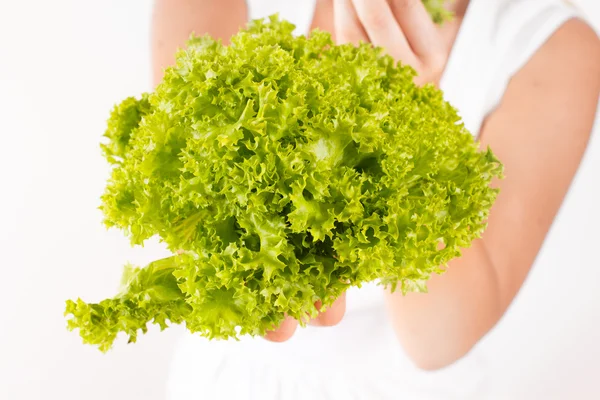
x: 574, y: 46
x: 524, y: 29
x: 552, y: 99
x: 562, y: 74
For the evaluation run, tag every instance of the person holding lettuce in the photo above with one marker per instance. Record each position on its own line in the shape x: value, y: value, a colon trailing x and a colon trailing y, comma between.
x: 525, y: 77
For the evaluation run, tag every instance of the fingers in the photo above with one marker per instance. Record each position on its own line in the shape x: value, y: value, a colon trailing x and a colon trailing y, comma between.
x: 383, y: 30
x: 348, y: 28
x: 418, y: 27
x: 284, y: 332
x: 330, y: 317
x: 333, y: 315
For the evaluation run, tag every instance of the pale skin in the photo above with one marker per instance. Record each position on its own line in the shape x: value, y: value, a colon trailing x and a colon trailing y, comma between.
x: 540, y: 132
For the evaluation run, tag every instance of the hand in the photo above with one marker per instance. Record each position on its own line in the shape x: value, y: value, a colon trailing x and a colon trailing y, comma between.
x: 331, y: 317
x: 402, y: 27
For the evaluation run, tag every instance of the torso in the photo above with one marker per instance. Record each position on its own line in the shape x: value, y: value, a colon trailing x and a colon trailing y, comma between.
x: 361, y: 358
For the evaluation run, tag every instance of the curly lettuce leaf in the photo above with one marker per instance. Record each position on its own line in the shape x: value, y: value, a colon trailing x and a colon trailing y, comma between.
x: 148, y: 295
x: 438, y: 12
x: 283, y: 170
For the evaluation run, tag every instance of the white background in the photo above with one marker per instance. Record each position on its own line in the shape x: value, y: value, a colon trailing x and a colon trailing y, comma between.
x: 63, y: 64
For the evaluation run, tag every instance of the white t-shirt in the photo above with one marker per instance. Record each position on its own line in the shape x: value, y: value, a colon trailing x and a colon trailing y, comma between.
x: 360, y: 358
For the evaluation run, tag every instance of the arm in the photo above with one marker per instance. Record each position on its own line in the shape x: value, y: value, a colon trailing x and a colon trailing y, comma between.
x: 540, y: 132
x: 174, y: 20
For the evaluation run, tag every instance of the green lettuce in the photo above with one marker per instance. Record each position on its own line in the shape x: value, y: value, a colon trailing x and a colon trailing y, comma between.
x: 438, y: 12
x: 281, y: 171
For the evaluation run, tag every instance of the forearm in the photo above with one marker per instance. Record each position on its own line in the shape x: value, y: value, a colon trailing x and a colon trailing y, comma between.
x: 441, y: 326
x: 174, y: 20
